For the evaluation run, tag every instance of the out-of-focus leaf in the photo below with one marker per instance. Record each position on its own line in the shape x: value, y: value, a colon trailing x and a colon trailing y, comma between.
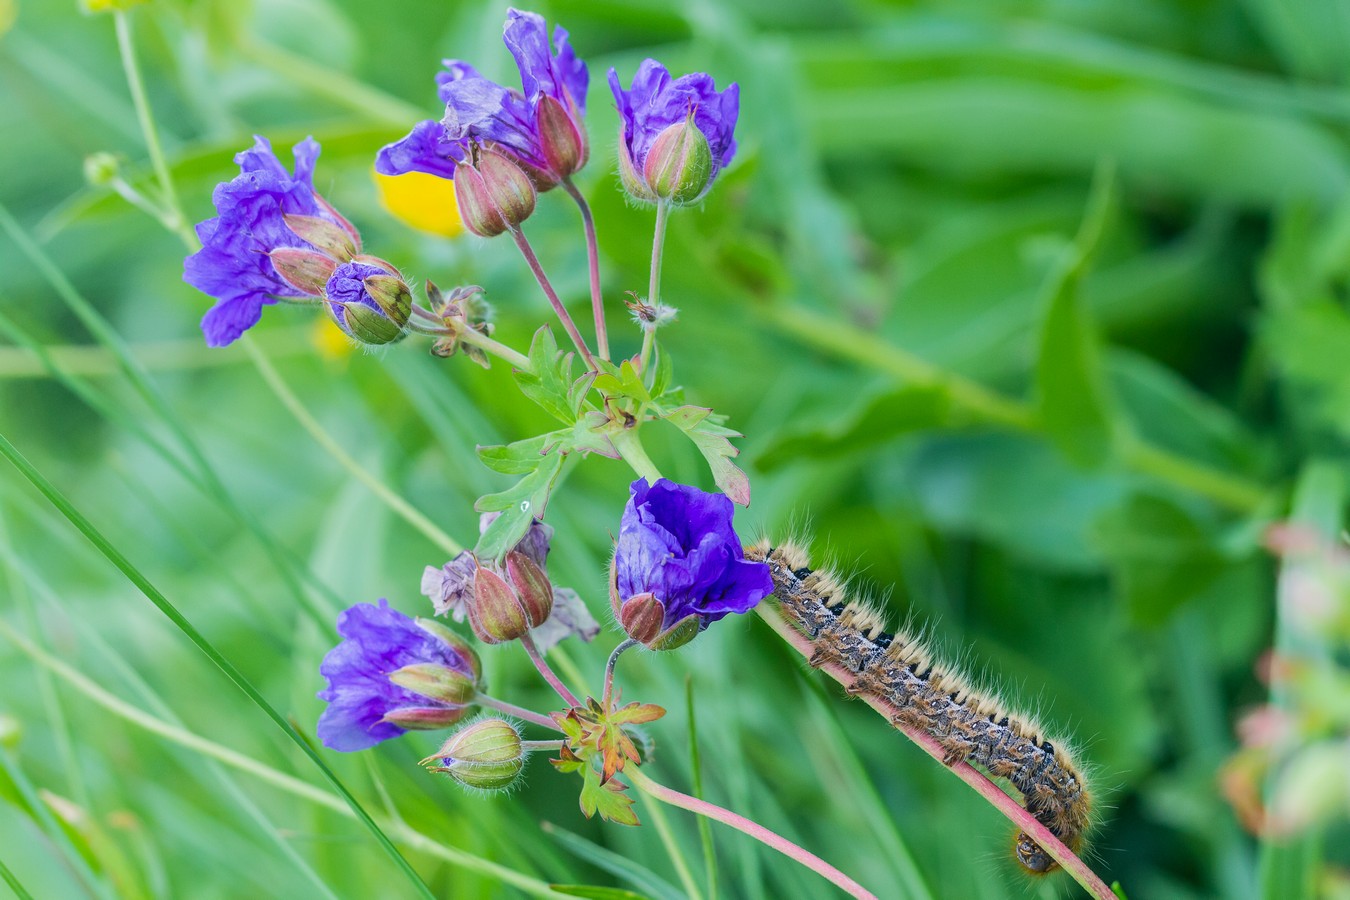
x: 1160, y: 556
x: 1073, y: 403
x: 595, y: 892
x: 879, y: 417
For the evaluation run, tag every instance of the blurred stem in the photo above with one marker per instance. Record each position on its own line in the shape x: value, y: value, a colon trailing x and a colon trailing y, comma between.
x: 550, y: 676
x: 696, y: 776
x: 593, y: 261
x: 94, y: 360
x: 172, y: 212
x: 629, y: 445
x: 673, y: 850
x: 1077, y: 869
x: 654, y: 283
x: 852, y: 343
x: 404, y: 834
x: 316, y: 431
x: 326, y: 81
x: 13, y: 882
x: 563, y: 315
x: 519, y: 712
x: 753, y: 829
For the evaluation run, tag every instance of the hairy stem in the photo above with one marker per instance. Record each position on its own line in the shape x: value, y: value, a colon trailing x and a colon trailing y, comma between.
x: 654, y: 281
x: 768, y: 611
x: 554, y: 681
x: 528, y: 252
x: 629, y: 445
x: 593, y: 261
x: 753, y: 829
x: 609, y: 667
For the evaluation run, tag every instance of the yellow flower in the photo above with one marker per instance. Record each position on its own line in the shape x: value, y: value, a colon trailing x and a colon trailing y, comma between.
x: 423, y: 201
x: 9, y: 11
x: 99, y: 6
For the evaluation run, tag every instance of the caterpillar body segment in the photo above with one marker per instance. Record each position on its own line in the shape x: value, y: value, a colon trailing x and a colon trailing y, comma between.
x: 897, y: 668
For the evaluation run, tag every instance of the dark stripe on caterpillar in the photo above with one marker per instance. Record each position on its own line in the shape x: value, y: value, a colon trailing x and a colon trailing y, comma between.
x: 898, y: 669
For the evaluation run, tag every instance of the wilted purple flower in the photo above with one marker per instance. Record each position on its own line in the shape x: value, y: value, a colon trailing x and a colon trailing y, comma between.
x: 679, y: 557
x: 526, y: 126
x: 655, y: 104
x: 436, y: 674
x: 234, y: 265
x: 450, y: 587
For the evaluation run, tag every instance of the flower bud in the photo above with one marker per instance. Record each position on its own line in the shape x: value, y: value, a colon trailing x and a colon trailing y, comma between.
x: 101, y: 169
x: 532, y: 587
x: 425, y: 718
x: 641, y: 617
x: 679, y: 164
x: 327, y: 237
x: 496, y: 613
x: 562, y: 137
x: 486, y: 755
x: 494, y: 194
x: 368, y: 303
x: 304, y: 270
x: 436, y: 682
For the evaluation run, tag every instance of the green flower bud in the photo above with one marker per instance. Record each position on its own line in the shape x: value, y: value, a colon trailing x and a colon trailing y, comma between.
x: 496, y: 613
x: 436, y: 682
x: 460, y: 646
x: 562, y: 137
x: 633, y: 183
x: 426, y: 718
x: 486, y: 755
x: 532, y: 587
x: 679, y: 164
x: 100, y: 169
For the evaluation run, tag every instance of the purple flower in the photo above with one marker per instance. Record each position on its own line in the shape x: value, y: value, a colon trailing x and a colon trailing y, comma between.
x: 678, y: 556
x: 234, y: 265
x: 370, y: 303
x: 366, y: 705
x: 540, y: 129
x: 655, y: 103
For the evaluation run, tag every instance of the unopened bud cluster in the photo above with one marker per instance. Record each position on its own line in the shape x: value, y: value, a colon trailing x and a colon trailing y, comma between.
x: 506, y: 606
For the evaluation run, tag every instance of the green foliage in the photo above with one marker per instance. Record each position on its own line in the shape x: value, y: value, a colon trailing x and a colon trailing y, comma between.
x: 1051, y: 413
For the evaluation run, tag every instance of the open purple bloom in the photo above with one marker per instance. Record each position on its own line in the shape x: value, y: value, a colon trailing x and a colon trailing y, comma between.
x: 365, y: 706
x: 527, y: 126
x: 677, y: 549
x: 233, y: 265
x: 655, y: 102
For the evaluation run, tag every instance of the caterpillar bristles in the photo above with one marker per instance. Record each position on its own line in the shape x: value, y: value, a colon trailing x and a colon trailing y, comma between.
x: 931, y: 695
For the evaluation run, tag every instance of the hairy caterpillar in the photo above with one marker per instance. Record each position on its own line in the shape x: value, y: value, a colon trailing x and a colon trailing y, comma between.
x: 896, y: 668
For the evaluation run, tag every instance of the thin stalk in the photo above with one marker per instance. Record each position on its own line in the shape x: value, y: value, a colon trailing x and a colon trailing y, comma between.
x: 496, y: 348
x: 539, y: 663
x: 696, y: 776
x: 668, y: 840
x: 629, y: 445
x: 609, y: 667
x: 519, y: 712
x: 753, y: 829
x: 654, y: 281
x: 541, y: 746
x: 1005, y: 804
x: 325, y: 440
x: 593, y: 260
x: 173, y: 217
x: 848, y: 342
x: 563, y: 315
x: 13, y: 882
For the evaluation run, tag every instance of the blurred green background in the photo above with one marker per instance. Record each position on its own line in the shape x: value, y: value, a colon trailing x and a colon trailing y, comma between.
x: 1032, y: 313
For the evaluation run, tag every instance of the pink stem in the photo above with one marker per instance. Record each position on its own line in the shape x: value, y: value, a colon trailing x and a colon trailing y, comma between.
x: 593, y: 258
x: 1005, y: 804
x: 754, y: 829
x: 519, y: 712
x: 528, y: 252
x: 533, y: 652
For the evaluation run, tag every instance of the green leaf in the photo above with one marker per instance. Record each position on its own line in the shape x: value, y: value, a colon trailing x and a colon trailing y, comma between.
x: 628, y: 870
x: 608, y: 799
x: 550, y: 383
x: 1160, y: 556
x: 877, y: 419
x: 519, y: 505
x: 711, y: 439
x: 627, y: 383
x: 519, y: 457
x: 665, y: 372
x: 1072, y: 398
